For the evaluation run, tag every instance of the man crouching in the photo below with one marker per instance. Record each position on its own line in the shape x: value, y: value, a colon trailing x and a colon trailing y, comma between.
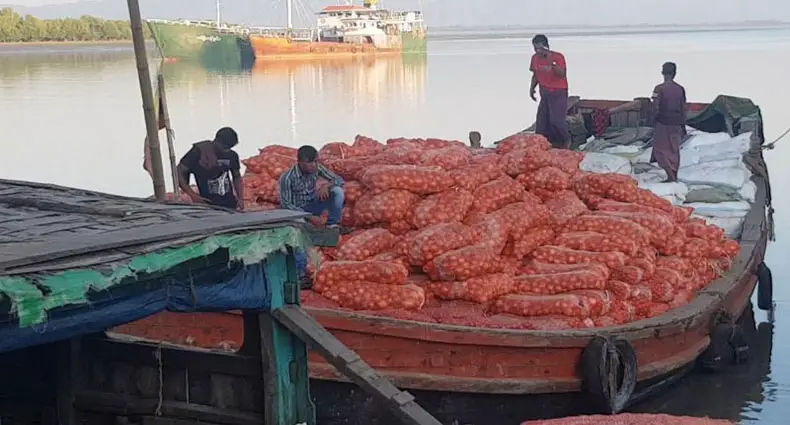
x: 299, y: 190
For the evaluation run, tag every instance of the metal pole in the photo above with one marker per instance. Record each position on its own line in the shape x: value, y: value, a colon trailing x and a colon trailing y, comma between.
x: 151, y: 124
x: 289, y: 6
x: 219, y: 14
x: 160, y: 80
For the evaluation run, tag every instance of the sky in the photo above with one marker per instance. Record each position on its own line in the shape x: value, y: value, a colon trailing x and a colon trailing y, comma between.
x: 544, y: 13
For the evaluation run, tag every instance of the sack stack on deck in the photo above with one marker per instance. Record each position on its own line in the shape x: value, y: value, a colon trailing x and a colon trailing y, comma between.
x: 631, y: 419
x: 519, y: 237
x: 713, y: 178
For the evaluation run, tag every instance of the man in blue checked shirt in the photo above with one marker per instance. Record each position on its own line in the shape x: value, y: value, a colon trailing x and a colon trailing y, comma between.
x: 299, y: 191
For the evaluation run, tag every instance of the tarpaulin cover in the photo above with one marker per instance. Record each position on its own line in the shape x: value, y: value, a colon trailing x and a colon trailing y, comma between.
x: 726, y: 114
x: 243, y: 288
x: 631, y: 419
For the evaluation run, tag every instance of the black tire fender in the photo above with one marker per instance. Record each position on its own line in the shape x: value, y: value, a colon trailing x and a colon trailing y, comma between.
x: 765, y: 288
x: 728, y: 346
x: 609, y: 369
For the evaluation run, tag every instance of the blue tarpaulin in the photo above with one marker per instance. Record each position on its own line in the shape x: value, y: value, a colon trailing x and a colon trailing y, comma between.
x: 247, y: 289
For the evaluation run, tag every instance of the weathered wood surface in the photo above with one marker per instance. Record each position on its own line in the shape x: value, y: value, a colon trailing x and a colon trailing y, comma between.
x: 401, y: 403
x: 42, y: 223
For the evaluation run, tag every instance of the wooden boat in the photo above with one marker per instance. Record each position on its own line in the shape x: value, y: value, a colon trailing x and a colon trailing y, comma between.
x: 75, y: 263
x: 481, y: 376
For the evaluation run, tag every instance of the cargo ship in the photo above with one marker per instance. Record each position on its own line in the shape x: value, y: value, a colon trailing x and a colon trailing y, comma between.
x: 346, y: 30
x: 341, y: 30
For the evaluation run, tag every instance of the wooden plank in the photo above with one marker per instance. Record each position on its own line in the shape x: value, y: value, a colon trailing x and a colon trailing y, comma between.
x: 350, y: 364
x: 286, y: 374
x: 97, y: 401
x: 67, y: 366
x: 57, y: 248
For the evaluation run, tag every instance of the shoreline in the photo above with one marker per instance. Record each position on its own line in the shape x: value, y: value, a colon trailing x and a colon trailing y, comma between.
x: 66, y: 43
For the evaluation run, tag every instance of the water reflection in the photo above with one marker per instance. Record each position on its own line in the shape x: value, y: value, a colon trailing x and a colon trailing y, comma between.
x: 735, y: 394
x: 35, y: 64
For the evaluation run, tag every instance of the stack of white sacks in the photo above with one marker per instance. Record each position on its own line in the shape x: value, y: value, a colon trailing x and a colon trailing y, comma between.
x: 712, y: 178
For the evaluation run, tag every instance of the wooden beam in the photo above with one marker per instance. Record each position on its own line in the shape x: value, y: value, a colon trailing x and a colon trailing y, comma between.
x: 171, y: 150
x: 284, y: 355
x: 67, y: 375
x: 146, y: 91
x: 350, y: 364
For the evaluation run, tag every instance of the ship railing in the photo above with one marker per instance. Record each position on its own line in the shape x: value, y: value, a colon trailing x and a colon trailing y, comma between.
x: 292, y: 33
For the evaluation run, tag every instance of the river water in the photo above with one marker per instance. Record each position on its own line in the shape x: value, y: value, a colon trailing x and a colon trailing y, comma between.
x: 72, y: 115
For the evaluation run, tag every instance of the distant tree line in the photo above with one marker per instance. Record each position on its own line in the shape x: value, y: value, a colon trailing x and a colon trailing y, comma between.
x: 16, y: 28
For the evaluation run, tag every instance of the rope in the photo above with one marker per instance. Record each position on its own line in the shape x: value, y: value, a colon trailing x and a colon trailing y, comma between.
x: 772, y: 145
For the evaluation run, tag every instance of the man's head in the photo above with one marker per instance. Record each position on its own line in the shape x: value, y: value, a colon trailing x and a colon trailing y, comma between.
x: 541, y: 44
x: 474, y: 139
x: 669, y: 70
x: 226, y: 138
x: 306, y: 158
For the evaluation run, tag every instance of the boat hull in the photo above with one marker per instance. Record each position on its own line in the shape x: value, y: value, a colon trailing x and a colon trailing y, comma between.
x: 273, y: 48
x: 202, y: 44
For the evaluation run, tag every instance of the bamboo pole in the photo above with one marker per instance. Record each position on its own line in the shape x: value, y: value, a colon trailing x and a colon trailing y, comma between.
x: 151, y: 124
x: 160, y: 80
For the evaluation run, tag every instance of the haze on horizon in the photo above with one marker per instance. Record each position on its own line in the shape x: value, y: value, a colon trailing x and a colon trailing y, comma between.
x: 442, y: 12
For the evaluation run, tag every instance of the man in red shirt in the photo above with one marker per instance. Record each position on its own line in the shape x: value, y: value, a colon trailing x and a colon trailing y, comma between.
x: 549, y: 72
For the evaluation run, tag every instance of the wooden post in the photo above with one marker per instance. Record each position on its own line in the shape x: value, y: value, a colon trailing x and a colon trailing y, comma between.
x: 286, y: 376
x: 151, y: 124
x: 160, y: 82
x: 67, y: 379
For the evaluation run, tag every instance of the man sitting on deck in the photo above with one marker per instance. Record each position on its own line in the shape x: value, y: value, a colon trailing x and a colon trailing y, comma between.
x: 216, y: 169
x: 300, y: 191
x: 669, y: 110
x: 549, y: 71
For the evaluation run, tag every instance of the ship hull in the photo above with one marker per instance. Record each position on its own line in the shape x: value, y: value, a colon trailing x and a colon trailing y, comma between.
x: 202, y: 44
x: 273, y: 48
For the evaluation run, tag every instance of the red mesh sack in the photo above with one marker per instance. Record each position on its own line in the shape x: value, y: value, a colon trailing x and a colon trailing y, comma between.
x: 473, y: 176
x: 279, y: 150
x: 496, y: 194
x: 695, y: 248
x: 449, y: 158
x: 366, y: 244
x: 275, y: 165
x: 622, y: 312
x: 631, y: 275
x: 480, y: 289
x: 438, y: 239
x: 557, y: 283
x: 548, y: 178
x: 596, y: 301
x: 540, y: 305
x: 268, y: 191
x: 673, y: 244
x: 701, y: 229
x: 630, y: 419
x: 623, y: 191
x: 659, y: 226
x: 615, y: 206
x: 566, y: 160
x: 680, y: 264
x: 650, y: 199
x: 310, y: 298
x: 484, y: 156
x: 387, y: 207
x: 522, y: 217
x: 350, y: 169
x: 619, y: 289
x: 648, y: 267
x: 353, y: 191
x: 565, y: 206
x: 333, y: 150
x: 333, y: 272
x: 554, y: 323
x: 537, y: 267
x: 415, y: 179
x: 375, y: 296
x: 392, y: 257
x: 464, y: 263
x: 446, y: 207
x: 365, y: 146
x: 662, y: 292
x: 524, y: 160
x: 673, y: 277
x: 681, y: 213
x: 601, y: 184
x: 531, y: 240
x: 523, y: 141
x: 402, y: 226
x: 597, y: 242
x: 493, y: 231
x: 609, y: 225
x: 562, y: 255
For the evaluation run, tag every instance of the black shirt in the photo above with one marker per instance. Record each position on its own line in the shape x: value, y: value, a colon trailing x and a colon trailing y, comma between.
x: 215, y: 183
